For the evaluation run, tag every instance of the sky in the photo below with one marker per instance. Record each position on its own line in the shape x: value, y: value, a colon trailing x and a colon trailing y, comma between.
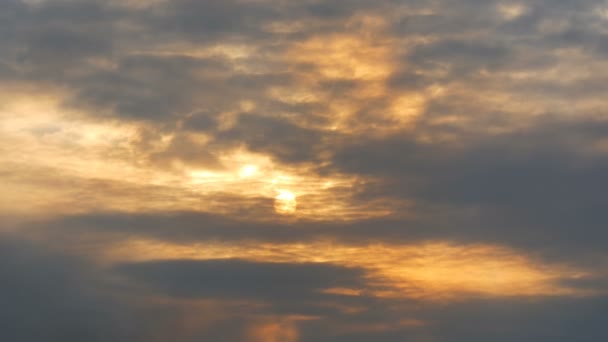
x: 303, y: 170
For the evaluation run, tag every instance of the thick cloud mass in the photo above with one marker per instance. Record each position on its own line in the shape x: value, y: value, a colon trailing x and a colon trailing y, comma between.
x: 45, y: 296
x: 235, y: 278
x: 263, y: 171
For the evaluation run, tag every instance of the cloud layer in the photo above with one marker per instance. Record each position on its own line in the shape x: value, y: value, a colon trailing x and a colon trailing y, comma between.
x: 256, y: 170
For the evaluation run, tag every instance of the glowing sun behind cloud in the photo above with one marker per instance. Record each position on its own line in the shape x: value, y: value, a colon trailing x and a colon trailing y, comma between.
x: 285, y: 202
x: 108, y: 171
x: 248, y: 171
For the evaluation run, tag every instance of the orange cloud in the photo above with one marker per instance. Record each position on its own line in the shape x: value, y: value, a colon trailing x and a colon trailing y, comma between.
x: 435, y: 271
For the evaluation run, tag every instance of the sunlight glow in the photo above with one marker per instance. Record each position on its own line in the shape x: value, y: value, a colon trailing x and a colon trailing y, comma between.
x: 108, y: 170
x: 285, y: 202
x: 248, y: 171
x: 512, y: 11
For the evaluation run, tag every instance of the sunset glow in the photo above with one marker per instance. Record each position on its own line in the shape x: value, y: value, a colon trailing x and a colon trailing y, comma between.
x: 303, y: 171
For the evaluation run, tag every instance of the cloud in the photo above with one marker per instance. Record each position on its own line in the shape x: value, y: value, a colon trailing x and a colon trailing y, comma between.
x: 285, y: 141
x: 437, y: 151
x: 291, y: 288
x: 524, y: 321
x: 528, y: 184
x: 44, y: 296
x: 50, y: 295
x: 64, y: 299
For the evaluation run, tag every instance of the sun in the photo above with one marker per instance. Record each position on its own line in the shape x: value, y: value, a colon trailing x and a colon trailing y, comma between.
x: 248, y: 171
x: 285, y: 202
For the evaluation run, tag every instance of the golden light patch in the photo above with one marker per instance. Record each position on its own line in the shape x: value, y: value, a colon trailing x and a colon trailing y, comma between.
x: 601, y: 11
x: 278, y: 330
x: 345, y: 57
x: 342, y: 291
x: 406, y: 108
x: 512, y: 11
x: 366, y: 60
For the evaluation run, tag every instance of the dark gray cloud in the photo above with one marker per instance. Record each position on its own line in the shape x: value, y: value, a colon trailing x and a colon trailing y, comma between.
x: 526, y: 185
x: 47, y: 296
x: 520, y: 320
x: 514, y: 319
x: 149, y: 87
x: 465, y: 56
x: 202, y: 20
x: 286, y: 141
x: 53, y: 296
x: 240, y: 278
x: 291, y: 288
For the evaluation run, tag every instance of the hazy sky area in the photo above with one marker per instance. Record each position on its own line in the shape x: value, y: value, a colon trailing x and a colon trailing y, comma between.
x: 303, y: 171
